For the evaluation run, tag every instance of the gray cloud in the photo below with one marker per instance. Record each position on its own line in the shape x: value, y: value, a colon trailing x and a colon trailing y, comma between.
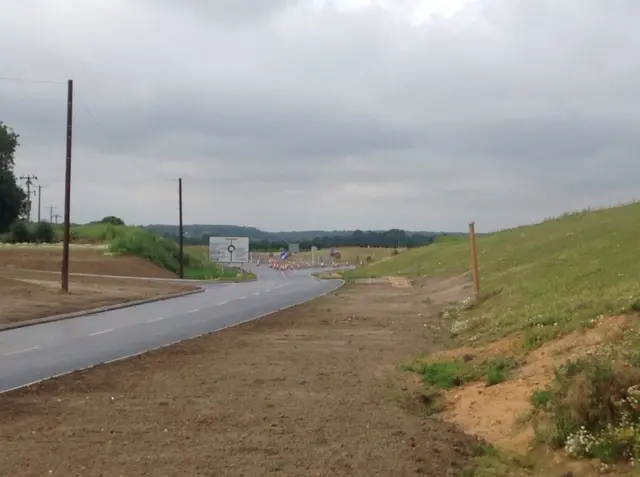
x: 292, y: 115
x: 238, y: 11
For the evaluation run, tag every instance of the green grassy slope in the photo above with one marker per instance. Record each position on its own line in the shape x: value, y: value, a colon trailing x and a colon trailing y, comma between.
x: 149, y: 246
x: 545, y: 279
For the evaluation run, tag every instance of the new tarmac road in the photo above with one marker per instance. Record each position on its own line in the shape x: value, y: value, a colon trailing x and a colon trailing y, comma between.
x: 42, y: 351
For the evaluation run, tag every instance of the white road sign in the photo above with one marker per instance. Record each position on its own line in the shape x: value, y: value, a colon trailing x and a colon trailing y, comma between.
x: 229, y: 249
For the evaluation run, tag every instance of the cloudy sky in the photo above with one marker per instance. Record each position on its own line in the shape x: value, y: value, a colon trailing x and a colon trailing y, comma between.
x: 307, y: 114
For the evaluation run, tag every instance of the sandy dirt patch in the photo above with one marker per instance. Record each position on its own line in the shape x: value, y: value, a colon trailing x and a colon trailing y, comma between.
x: 493, y: 412
x: 28, y: 295
x: 310, y: 391
x: 399, y: 282
x: 81, y: 260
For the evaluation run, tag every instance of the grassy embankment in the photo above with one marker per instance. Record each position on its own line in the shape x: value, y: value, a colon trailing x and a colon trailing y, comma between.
x: 152, y: 247
x: 541, y: 282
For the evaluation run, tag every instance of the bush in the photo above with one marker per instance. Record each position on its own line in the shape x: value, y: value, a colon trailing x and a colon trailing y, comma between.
x: 154, y: 248
x: 112, y: 220
x: 592, y: 409
x: 43, y: 233
x: 19, y: 232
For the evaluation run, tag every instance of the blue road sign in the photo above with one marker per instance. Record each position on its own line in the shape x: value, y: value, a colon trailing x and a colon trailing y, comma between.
x: 284, y: 255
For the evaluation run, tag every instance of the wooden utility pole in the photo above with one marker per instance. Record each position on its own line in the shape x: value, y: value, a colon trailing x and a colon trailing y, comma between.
x: 474, y: 259
x: 39, y: 203
x: 51, y: 209
x: 29, y: 180
x: 180, y: 228
x: 67, y: 191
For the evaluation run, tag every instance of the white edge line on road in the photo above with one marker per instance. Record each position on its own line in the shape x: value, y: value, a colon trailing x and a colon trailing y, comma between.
x: 101, y: 332
x: 242, y: 298
x: 22, y: 351
x: 221, y: 303
x: 155, y: 320
x: 342, y: 282
x: 196, y: 310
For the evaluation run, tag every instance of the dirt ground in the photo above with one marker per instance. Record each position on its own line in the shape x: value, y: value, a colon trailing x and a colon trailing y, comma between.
x: 310, y: 391
x: 30, y: 295
x: 81, y: 260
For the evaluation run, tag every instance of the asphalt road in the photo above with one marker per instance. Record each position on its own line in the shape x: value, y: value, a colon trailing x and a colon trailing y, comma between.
x: 42, y: 351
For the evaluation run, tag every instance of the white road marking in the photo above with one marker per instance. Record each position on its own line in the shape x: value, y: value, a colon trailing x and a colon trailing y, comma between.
x: 194, y: 311
x: 256, y: 293
x: 49, y: 378
x: 154, y: 320
x: 242, y: 298
x: 22, y: 351
x: 268, y: 290
x: 221, y: 303
x: 101, y: 332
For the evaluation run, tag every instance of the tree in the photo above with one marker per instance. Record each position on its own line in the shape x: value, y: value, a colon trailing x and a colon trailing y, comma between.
x: 112, y: 220
x: 43, y: 233
x: 19, y: 232
x: 13, y: 199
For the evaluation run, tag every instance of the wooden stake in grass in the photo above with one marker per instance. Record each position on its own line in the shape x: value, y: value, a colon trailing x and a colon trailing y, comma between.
x: 474, y: 259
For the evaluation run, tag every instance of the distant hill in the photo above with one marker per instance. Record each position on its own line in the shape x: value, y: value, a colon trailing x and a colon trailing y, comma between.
x: 199, y: 230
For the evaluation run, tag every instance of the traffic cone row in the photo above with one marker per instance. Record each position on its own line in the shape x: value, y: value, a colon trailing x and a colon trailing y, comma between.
x: 293, y: 265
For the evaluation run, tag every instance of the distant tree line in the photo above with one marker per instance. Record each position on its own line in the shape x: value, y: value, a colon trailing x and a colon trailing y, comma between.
x: 393, y: 238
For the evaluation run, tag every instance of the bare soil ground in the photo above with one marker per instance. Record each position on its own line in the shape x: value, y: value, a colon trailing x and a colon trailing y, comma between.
x: 310, y: 391
x: 30, y: 295
x: 81, y: 260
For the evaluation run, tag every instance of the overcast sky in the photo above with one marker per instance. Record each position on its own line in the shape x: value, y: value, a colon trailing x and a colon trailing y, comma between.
x: 334, y: 114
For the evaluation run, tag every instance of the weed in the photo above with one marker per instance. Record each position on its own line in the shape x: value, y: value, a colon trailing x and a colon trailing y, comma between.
x: 450, y: 374
x: 490, y: 462
x: 426, y: 403
x: 447, y: 374
x: 592, y: 409
x: 540, y: 398
x: 498, y: 370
